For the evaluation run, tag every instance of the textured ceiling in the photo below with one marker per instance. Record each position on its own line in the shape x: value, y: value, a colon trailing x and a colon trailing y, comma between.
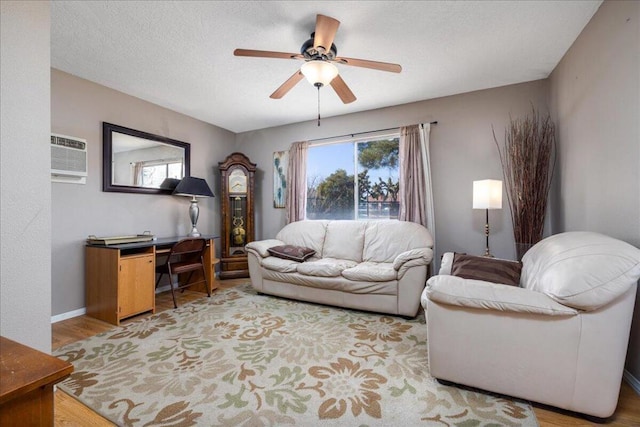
x: 179, y: 54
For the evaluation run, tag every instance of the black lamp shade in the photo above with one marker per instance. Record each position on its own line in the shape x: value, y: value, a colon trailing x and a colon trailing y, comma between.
x: 169, y: 184
x: 191, y: 186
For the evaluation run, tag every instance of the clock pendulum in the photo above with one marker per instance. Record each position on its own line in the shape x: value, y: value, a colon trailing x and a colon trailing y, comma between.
x: 238, y: 231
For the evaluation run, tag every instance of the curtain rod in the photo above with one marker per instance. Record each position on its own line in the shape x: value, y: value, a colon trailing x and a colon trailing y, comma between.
x: 360, y: 133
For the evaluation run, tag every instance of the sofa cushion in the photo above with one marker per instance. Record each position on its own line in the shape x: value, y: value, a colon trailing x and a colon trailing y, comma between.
x: 308, y: 234
x: 294, y: 253
x: 371, y: 272
x: 581, y: 269
x: 344, y: 240
x: 324, y: 267
x: 279, y: 264
x: 384, y: 240
x: 488, y: 269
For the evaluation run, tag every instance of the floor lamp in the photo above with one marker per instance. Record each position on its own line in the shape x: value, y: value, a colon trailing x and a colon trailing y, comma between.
x: 487, y: 194
x: 193, y: 187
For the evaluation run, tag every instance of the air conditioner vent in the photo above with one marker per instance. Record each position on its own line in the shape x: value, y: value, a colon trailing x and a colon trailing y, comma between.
x: 68, y: 159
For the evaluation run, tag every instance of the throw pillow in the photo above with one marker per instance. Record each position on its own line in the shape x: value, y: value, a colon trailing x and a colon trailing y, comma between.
x: 488, y: 269
x: 291, y: 252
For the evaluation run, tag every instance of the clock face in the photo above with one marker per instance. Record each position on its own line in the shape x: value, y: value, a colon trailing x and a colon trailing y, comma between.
x: 237, y: 182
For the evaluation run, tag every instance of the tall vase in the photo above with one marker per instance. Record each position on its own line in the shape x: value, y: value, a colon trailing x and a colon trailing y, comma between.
x: 528, y: 159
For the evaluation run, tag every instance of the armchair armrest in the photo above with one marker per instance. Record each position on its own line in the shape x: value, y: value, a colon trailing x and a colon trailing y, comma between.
x: 477, y: 294
x: 260, y: 248
x: 446, y: 263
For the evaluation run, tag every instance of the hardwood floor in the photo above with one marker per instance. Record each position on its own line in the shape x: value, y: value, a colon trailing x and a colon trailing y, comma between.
x: 70, y: 412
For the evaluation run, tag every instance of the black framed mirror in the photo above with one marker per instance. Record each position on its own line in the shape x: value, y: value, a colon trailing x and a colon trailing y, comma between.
x: 139, y: 162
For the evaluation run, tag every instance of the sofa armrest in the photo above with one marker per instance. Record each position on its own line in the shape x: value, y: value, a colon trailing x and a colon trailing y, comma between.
x: 420, y: 256
x: 477, y: 294
x: 261, y: 247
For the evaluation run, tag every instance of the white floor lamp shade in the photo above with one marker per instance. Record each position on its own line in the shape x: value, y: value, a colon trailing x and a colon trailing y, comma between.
x: 487, y: 194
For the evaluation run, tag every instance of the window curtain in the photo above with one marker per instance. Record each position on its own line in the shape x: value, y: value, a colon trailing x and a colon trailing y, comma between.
x: 416, y: 203
x: 137, y: 173
x: 296, y: 201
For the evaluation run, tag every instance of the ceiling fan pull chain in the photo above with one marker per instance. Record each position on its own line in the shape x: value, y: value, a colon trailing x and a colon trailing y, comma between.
x: 318, y: 86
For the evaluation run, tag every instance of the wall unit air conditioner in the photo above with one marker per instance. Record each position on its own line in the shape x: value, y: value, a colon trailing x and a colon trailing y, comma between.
x: 68, y: 159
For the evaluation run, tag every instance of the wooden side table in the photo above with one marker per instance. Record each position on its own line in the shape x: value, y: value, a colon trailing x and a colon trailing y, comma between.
x: 27, y: 377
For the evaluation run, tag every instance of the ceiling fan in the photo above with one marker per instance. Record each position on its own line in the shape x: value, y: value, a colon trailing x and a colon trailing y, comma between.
x: 319, y: 54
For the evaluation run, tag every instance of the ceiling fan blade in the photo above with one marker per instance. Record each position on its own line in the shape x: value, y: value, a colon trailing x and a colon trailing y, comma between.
x: 266, y: 54
x: 326, y: 28
x: 375, y: 65
x: 342, y: 90
x: 287, y: 86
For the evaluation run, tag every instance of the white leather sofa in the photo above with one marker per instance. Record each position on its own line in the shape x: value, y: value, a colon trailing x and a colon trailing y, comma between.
x: 559, y: 339
x: 379, y: 266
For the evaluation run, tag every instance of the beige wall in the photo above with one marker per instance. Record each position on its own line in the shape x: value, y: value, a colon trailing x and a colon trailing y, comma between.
x: 595, y: 98
x: 78, y: 108
x: 462, y: 150
x: 25, y: 208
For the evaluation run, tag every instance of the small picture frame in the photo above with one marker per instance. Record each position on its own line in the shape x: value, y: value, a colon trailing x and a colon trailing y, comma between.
x: 280, y: 163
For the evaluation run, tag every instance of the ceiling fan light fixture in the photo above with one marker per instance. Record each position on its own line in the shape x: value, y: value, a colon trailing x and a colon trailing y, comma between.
x: 319, y: 73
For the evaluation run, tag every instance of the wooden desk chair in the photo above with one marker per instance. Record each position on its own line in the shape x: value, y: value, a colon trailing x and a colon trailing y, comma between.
x: 186, y: 256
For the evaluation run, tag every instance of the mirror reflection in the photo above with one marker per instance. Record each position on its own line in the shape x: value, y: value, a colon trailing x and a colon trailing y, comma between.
x: 144, y: 163
x: 136, y: 161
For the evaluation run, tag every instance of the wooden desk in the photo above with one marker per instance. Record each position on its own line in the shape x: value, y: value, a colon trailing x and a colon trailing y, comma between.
x: 120, y: 278
x: 27, y: 377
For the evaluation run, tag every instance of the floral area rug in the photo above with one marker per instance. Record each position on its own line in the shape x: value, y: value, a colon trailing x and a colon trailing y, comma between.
x: 243, y: 359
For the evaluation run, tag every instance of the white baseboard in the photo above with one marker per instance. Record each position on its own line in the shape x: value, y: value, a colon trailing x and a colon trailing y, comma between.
x: 165, y: 288
x: 632, y: 381
x: 68, y: 315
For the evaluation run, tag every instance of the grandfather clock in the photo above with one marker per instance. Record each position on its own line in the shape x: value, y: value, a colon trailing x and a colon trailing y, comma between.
x: 237, y: 189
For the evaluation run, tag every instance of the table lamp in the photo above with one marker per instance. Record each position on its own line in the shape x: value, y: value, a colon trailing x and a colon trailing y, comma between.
x: 193, y: 187
x: 169, y: 184
x: 487, y: 194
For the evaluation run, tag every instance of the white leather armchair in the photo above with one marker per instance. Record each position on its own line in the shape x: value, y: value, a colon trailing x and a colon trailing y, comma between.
x: 559, y: 339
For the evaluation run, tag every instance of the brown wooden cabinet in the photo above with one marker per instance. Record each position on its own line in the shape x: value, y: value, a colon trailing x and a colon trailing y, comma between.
x: 120, y: 283
x: 134, y: 293
x: 237, y: 192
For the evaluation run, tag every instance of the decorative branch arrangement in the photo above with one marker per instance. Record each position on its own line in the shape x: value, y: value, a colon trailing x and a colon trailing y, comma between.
x: 528, y: 159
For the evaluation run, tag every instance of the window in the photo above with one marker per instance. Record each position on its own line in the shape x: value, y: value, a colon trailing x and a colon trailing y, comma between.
x: 354, y: 180
x: 153, y: 173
